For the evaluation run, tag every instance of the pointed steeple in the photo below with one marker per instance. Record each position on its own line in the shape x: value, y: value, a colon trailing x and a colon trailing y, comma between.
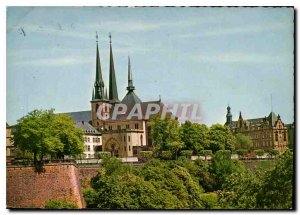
x: 113, y: 91
x: 130, y: 86
x: 99, y: 84
x: 240, y: 116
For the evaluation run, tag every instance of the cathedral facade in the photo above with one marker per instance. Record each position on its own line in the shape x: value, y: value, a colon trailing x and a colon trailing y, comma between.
x: 121, y: 135
x: 266, y: 133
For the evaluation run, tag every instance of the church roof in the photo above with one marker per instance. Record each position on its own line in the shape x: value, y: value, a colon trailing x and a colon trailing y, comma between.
x: 87, y: 128
x: 258, y: 121
x: 80, y: 116
x: 131, y: 99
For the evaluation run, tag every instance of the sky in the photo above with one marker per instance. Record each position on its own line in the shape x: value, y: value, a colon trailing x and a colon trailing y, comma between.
x: 209, y: 56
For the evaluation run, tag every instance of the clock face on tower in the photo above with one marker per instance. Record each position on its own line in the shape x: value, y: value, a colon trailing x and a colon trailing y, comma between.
x: 102, y: 111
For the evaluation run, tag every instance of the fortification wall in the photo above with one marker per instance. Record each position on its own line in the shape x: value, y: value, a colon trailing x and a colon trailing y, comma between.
x: 26, y: 188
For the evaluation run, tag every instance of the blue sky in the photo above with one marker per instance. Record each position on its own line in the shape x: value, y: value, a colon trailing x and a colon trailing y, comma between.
x: 210, y: 56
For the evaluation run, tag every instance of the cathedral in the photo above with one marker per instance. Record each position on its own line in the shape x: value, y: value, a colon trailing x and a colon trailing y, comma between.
x: 266, y: 133
x: 122, y: 136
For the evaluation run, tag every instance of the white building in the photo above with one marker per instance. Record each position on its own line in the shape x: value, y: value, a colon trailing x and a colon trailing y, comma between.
x: 92, y: 139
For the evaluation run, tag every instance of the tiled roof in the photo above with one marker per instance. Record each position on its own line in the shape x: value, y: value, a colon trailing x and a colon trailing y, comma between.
x: 87, y: 128
x: 80, y: 116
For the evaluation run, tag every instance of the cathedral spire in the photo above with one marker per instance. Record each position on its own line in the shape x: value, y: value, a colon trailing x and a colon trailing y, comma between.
x: 130, y: 86
x: 99, y: 84
x: 113, y: 91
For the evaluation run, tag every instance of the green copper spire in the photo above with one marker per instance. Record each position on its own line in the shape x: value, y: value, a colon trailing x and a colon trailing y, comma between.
x: 99, y: 84
x: 228, y: 117
x: 130, y: 82
x: 113, y: 91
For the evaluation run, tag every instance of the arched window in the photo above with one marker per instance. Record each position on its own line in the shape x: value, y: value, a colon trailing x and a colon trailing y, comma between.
x: 141, y: 137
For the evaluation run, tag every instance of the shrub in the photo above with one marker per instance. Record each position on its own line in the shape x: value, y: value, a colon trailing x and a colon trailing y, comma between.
x: 166, y: 155
x: 241, y: 152
x: 102, y: 155
x: 224, y: 152
x: 60, y: 204
x: 205, y: 153
x: 274, y: 152
x: 145, y: 155
x: 186, y: 153
x: 259, y: 152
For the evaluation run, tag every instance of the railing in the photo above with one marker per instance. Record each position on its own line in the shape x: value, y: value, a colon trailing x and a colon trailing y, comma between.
x: 32, y: 163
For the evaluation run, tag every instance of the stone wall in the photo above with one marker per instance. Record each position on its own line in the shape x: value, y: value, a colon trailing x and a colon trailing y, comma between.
x: 26, y: 188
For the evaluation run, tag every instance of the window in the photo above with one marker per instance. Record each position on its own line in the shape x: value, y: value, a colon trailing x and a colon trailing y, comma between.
x: 128, y: 148
x: 127, y: 126
x: 98, y: 140
x: 119, y: 127
x: 124, y: 138
x: 89, y: 148
x: 128, y: 138
x: 136, y: 126
x: 141, y: 137
x: 276, y: 136
x: 110, y: 127
x: 284, y: 136
x: 125, y: 148
x: 88, y: 139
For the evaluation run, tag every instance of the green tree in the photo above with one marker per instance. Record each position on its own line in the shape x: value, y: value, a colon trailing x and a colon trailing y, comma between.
x: 220, y: 138
x: 274, y: 152
x: 222, y: 166
x: 45, y: 133
x: 277, y: 189
x: 175, y: 146
x: 205, y: 153
x: 241, y: 152
x: 164, y: 131
x: 259, y: 152
x: 194, y: 136
x: 103, y: 155
x: 243, y: 141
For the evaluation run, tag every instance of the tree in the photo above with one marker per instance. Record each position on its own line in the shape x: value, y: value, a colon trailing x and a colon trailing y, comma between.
x: 259, y: 152
x: 206, y: 153
x: 163, y: 131
x: 45, y: 133
x: 221, y: 138
x: 277, y: 189
x: 145, y: 155
x: 194, y: 136
x: 243, y: 142
x: 222, y: 166
x: 103, y: 155
x: 186, y: 153
x: 175, y: 146
x: 274, y: 152
x: 241, y: 152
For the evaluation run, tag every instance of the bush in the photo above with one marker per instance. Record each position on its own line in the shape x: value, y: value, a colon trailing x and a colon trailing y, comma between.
x: 186, y: 153
x: 166, y: 155
x: 205, y: 153
x: 241, y: 152
x: 224, y: 152
x: 259, y: 152
x: 60, y: 204
x: 274, y: 152
x: 145, y: 155
x: 103, y: 155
